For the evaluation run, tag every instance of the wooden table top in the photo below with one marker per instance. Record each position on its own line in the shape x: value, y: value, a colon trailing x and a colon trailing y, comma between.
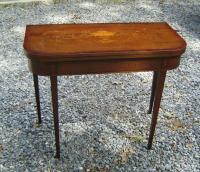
x: 55, y: 42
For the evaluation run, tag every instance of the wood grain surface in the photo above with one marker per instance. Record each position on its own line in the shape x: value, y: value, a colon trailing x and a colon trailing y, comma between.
x: 67, y: 42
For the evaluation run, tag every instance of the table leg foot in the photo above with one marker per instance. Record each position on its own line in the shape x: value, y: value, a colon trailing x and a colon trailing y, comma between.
x: 57, y: 156
x: 153, y: 88
x: 37, y: 96
x: 54, y: 93
x: 158, y: 95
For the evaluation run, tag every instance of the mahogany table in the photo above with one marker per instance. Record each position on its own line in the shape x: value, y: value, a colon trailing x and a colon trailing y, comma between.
x: 68, y: 49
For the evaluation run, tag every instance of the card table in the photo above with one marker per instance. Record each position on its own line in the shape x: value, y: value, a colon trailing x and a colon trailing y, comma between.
x: 99, y: 48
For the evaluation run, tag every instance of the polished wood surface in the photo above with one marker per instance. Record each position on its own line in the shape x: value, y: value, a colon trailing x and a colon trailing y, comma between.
x: 70, y: 49
x: 102, y: 66
x: 67, y: 42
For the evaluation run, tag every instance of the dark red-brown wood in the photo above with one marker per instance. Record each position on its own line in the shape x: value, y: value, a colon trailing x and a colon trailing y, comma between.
x: 68, y: 42
x: 153, y: 89
x: 54, y: 95
x: 37, y: 96
x: 68, y: 49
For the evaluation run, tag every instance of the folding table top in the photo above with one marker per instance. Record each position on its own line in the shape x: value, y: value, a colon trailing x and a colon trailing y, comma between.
x: 57, y: 42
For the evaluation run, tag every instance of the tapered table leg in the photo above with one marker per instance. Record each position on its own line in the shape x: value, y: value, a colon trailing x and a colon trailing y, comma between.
x: 158, y: 95
x: 37, y: 96
x: 153, y: 88
x: 54, y: 93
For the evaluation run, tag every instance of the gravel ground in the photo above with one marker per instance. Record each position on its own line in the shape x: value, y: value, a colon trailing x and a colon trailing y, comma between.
x: 103, y: 120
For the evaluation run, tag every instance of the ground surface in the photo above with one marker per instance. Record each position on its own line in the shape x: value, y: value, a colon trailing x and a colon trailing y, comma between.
x: 103, y: 119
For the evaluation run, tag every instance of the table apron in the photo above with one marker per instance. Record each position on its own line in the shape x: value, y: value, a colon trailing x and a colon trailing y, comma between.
x: 102, y: 66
